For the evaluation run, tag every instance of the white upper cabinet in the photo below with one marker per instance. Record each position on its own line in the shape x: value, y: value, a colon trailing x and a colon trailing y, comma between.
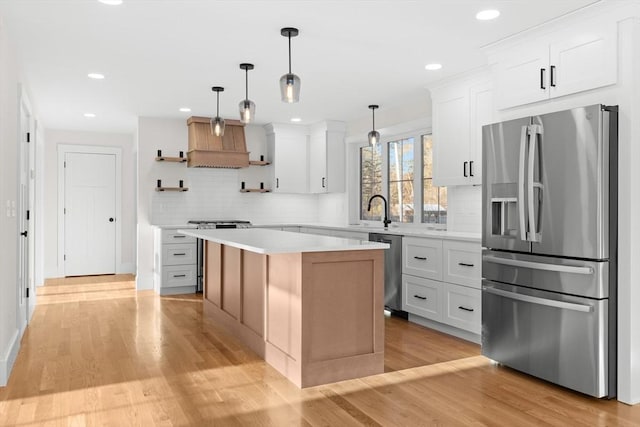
x: 562, y: 63
x: 460, y: 109
x: 288, y: 151
x: 326, y: 157
x: 307, y: 159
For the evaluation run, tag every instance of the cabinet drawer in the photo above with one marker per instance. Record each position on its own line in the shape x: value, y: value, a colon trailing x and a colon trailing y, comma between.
x: 422, y: 257
x: 178, y: 254
x: 462, y: 307
x: 422, y: 297
x: 462, y: 263
x: 178, y: 275
x: 171, y: 235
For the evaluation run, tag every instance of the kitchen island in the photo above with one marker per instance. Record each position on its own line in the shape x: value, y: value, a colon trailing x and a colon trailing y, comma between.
x: 311, y: 306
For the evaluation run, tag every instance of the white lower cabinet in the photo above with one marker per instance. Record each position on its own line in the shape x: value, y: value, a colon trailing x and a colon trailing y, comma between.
x: 461, y: 307
x: 422, y: 297
x: 447, y: 291
x: 174, y: 262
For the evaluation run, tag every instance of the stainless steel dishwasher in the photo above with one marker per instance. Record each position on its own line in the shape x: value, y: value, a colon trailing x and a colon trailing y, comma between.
x: 392, y: 271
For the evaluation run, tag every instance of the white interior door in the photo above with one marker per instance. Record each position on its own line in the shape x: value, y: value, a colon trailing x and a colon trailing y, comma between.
x: 23, y: 219
x: 89, y: 214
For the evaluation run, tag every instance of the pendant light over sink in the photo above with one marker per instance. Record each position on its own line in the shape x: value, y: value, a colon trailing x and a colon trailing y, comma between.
x: 217, y: 123
x: 290, y: 83
x: 374, y: 135
x: 247, y: 107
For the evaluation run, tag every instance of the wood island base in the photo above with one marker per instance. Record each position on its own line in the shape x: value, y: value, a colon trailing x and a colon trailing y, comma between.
x: 317, y: 317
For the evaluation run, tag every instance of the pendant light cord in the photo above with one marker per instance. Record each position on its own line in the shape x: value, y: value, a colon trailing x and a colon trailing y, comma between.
x: 373, y: 116
x: 217, y: 104
x: 246, y: 83
x: 289, y: 52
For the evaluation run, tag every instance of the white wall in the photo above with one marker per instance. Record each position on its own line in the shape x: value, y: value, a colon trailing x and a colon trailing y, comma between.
x: 213, y: 193
x: 9, y: 327
x: 54, y: 137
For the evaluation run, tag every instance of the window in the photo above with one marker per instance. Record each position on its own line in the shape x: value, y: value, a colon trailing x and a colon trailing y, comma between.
x: 370, y: 181
x: 401, y: 198
x: 434, y: 199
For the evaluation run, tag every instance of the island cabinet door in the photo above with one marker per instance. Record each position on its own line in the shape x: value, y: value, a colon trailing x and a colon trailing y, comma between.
x: 254, y: 280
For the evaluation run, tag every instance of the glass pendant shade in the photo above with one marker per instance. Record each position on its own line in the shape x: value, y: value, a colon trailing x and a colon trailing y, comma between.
x: 374, y: 137
x: 217, y: 126
x: 247, y: 111
x: 290, y: 88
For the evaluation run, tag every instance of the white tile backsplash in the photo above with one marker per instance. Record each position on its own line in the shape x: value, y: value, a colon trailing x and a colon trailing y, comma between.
x: 214, y: 194
x: 464, y: 212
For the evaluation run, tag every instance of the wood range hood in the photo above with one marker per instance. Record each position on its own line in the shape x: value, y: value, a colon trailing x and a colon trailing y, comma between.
x: 209, y: 151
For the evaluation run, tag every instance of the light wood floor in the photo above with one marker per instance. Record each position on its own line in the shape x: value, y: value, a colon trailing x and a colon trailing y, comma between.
x: 98, y: 353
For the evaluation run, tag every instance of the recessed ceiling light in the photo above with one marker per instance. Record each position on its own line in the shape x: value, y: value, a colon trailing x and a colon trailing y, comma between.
x: 296, y: 119
x: 486, y: 15
x: 111, y: 2
x: 95, y: 76
x: 432, y: 67
x: 89, y: 115
x: 185, y: 109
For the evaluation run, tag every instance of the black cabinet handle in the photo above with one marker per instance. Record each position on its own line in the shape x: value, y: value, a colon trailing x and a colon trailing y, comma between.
x: 553, y: 76
x: 179, y: 275
x: 180, y: 254
x: 462, y: 307
x: 323, y: 182
x: 471, y: 168
x: 277, y: 182
x: 421, y: 258
x: 464, y: 169
x: 464, y: 264
x: 111, y: 219
x: 179, y: 236
x: 542, y: 86
x: 420, y: 297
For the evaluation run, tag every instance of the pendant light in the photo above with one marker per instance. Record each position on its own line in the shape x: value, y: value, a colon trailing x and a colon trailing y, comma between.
x: 290, y: 83
x: 374, y: 135
x: 217, y: 123
x: 247, y: 107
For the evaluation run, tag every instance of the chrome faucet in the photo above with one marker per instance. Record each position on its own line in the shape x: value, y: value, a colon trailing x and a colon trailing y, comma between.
x: 386, y: 220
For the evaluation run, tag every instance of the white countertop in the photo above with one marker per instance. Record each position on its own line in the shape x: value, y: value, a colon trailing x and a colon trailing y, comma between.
x: 412, y: 231
x: 265, y: 241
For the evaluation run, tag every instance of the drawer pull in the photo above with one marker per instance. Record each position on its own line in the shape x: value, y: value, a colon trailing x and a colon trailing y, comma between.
x: 462, y: 307
x: 179, y: 254
x: 421, y: 258
x: 179, y: 236
x: 179, y: 275
x: 464, y: 264
x: 420, y: 297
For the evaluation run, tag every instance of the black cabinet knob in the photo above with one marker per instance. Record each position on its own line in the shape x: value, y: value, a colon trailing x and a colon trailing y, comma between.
x: 111, y: 219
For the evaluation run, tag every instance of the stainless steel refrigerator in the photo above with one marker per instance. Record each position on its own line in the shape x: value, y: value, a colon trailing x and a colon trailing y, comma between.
x: 550, y: 242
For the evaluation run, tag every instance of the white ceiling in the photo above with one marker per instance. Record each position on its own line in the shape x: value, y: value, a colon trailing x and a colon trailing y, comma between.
x: 159, y: 55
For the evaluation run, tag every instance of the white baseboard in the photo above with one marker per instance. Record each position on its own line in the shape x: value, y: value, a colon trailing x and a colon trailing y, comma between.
x: 9, y: 358
x: 441, y: 327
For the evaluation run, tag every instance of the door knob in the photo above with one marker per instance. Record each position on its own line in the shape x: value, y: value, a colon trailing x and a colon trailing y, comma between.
x: 111, y: 219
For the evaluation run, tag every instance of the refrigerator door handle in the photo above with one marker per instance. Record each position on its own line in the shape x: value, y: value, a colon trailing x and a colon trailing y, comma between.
x: 539, y: 265
x: 534, y: 131
x: 540, y: 301
x: 521, y: 182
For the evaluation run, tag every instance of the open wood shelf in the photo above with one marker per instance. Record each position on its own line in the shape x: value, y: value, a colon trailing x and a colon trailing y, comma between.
x: 254, y: 190
x: 171, y: 159
x: 172, y: 188
x: 259, y: 162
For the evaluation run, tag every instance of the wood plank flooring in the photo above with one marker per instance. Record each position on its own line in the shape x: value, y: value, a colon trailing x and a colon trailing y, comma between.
x: 99, y: 353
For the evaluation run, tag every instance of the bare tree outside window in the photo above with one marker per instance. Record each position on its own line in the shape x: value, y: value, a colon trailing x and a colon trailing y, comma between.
x: 434, y: 199
x: 370, y: 180
x: 401, y: 195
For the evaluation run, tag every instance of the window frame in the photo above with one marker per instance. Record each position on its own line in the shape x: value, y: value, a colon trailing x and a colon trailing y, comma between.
x: 356, y: 214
